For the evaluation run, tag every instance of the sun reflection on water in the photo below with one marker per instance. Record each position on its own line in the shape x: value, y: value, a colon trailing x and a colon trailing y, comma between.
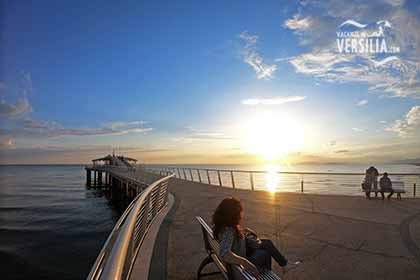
x: 272, y: 178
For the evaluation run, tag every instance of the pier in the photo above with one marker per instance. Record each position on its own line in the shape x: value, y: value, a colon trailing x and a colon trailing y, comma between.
x: 332, y: 236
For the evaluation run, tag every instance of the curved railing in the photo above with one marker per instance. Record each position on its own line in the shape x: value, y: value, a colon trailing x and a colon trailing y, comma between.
x: 116, y: 259
x: 292, y: 181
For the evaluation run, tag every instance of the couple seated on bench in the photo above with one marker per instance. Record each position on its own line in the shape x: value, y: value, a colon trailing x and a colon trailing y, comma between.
x: 241, y: 246
x: 385, y: 185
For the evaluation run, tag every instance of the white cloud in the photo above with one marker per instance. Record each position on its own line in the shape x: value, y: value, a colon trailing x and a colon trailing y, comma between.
x: 409, y: 125
x: 357, y: 129
x: 7, y: 143
x: 20, y: 109
x: 115, y: 125
x: 332, y: 143
x: 362, y: 102
x: 253, y: 58
x: 317, y: 23
x: 298, y: 23
x: 395, y: 2
x: 207, y: 134
x: 272, y: 101
x: 41, y: 128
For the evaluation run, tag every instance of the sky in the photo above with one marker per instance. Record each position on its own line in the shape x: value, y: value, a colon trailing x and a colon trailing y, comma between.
x: 209, y: 81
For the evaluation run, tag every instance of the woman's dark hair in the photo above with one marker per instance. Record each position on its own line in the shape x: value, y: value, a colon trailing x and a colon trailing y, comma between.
x: 228, y: 214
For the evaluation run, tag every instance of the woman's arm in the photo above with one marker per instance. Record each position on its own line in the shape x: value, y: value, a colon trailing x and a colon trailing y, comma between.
x: 232, y: 258
x: 247, y: 229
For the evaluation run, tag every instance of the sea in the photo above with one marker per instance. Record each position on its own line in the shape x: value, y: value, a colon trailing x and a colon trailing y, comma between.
x: 52, y: 226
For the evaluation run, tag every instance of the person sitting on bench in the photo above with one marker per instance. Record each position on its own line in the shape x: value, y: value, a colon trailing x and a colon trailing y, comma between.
x: 241, y: 246
x: 386, y: 186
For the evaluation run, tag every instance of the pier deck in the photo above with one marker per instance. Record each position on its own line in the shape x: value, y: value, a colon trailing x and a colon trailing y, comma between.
x: 335, y: 237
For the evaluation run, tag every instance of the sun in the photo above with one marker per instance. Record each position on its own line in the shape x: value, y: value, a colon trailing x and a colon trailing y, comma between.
x: 272, y: 135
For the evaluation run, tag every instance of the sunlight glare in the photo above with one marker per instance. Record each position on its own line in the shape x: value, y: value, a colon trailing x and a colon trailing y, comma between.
x: 272, y: 135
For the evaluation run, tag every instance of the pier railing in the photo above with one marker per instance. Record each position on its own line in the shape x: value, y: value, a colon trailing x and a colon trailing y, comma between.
x: 311, y: 182
x: 117, y: 257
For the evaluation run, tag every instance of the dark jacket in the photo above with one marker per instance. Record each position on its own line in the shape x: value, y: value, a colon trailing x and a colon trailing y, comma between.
x: 385, y: 183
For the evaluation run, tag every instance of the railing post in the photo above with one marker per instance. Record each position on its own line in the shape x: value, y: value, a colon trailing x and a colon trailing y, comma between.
x: 185, y: 175
x: 199, y: 175
x: 251, y: 178
x: 414, y: 190
x: 233, y: 180
x: 301, y: 186
x: 218, y: 175
x: 208, y: 177
x: 192, y: 179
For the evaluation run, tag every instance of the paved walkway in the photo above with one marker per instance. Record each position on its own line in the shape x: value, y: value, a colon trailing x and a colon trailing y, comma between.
x: 336, y: 237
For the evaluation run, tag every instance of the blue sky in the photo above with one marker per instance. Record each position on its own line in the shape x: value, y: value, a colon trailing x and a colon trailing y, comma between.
x: 171, y: 81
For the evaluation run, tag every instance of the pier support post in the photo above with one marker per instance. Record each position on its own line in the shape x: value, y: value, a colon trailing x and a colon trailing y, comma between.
x: 99, y: 179
x: 414, y: 190
x: 251, y: 178
x: 88, y: 177
x: 95, y: 178
x: 183, y: 171
x: 301, y: 186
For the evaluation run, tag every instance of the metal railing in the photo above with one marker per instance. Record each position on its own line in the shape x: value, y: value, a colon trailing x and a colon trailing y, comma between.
x: 315, y: 182
x: 117, y: 257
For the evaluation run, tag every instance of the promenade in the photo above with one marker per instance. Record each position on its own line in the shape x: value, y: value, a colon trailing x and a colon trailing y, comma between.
x: 335, y: 237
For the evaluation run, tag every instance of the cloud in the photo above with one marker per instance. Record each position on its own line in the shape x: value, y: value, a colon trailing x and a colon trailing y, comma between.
x: 395, y: 2
x: 316, y: 25
x: 42, y: 129
x: 409, y: 125
x: 332, y: 143
x: 20, y: 109
x: 298, y: 23
x: 7, y: 143
x: 362, y: 102
x: 199, y: 135
x: 253, y: 58
x: 115, y: 125
x: 357, y: 129
x: 342, y: 151
x: 272, y: 101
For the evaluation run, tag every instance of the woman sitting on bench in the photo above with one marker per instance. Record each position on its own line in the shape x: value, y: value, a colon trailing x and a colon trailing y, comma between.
x: 241, y: 246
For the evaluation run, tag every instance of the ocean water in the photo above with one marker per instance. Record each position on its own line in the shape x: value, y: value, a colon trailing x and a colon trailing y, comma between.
x: 273, y: 181
x: 51, y: 225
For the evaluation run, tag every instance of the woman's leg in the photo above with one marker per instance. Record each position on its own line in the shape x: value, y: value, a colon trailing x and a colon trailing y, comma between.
x: 261, y: 258
x: 268, y: 245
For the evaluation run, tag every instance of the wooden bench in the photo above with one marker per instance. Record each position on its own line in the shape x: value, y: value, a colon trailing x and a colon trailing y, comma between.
x: 227, y: 271
x: 397, y: 187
